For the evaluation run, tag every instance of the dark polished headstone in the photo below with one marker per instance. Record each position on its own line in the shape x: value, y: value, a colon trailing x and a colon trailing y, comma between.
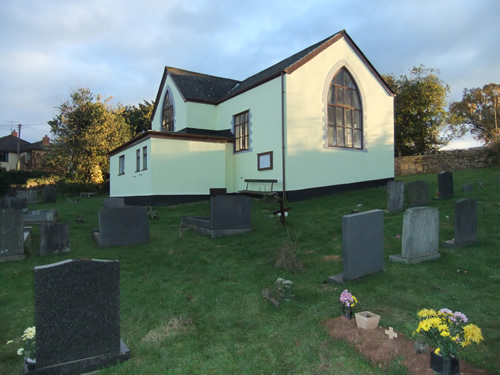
x: 445, y: 185
x: 54, y: 238
x: 123, y: 226
x: 11, y: 235
x: 395, y: 196
x: 417, y: 193
x: 114, y: 202
x: 362, y: 245
x: 49, y: 194
x: 465, y: 223
x: 77, y: 317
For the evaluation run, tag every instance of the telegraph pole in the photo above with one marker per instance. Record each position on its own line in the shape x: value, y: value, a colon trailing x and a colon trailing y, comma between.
x: 18, y: 146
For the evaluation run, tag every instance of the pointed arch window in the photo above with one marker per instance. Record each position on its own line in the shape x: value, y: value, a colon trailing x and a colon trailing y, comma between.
x: 345, y: 115
x: 167, y: 123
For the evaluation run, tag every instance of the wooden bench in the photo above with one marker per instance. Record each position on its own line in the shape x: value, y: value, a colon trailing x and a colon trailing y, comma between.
x: 259, y: 192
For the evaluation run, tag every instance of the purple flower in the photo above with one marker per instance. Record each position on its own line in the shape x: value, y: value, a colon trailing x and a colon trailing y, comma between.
x: 398, y: 237
x: 459, y: 317
x: 346, y: 298
x: 445, y: 311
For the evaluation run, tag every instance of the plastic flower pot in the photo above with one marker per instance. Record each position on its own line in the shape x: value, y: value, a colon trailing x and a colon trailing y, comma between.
x: 367, y: 320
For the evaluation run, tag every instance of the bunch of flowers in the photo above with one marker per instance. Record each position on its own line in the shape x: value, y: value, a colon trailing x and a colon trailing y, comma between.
x: 348, y: 302
x: 28, y: 336
x: 284, y: 288
x: 447, y: 331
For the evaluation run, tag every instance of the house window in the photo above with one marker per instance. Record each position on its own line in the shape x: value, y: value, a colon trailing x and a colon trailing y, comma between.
x: 121, y: 165
x: 265, y: 161
x: 138, y: 160
x: 167, y: 123
x: 345, y: 116
x: 4, y: 156
x: 145, y: 157
x: 241, y: 131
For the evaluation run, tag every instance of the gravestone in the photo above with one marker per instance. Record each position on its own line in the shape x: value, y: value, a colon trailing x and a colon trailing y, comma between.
x: 49, y: 194
x: 417, y: 193
x: 11, y: 235
x: 77, y: 317
x: 445, y: 185
x: 54, y: 238
x: 114, y: 202
x: 362, y: 245
x: 30, y: 195
x: 40, y: 216
x: 467, y: 188
x: 14, y: 203
x: 123, y: 226
x: 420, y: 240
x: 465, y: 223
x: 395, y: 196
x: 229, y: 214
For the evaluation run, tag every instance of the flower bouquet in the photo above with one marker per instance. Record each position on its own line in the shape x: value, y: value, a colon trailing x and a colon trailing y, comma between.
x: 447, y: 332
x: 348, y: 302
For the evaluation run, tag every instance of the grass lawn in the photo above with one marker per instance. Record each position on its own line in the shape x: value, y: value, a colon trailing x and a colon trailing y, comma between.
x: 193, y: 305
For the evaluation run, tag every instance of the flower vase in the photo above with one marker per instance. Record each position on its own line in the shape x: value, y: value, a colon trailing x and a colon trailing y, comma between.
x: 30, y: 363
x: 347, y: 313
x: 445, y: 366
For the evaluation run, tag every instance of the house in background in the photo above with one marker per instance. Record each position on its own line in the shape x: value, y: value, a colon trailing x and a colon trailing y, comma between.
x: 30, y: 154
x: 317, y: 122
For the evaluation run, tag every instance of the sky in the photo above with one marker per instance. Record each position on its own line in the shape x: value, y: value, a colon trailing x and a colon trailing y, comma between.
x: 119, y: 48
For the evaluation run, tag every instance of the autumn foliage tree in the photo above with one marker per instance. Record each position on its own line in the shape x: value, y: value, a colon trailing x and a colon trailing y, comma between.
x: 419, y: 111
x: 86, y: 129
x: 477, y: 112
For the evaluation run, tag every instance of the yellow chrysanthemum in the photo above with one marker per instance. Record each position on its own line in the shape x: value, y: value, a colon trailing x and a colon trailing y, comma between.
x: 437, y: 351
x: 445, y: 333
x: 424, y: 325
x: 473, y: 333
x: 426, y: 313
x: 442, y: 327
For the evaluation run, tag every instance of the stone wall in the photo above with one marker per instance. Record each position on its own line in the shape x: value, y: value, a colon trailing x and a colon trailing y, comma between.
x: 450, y: 160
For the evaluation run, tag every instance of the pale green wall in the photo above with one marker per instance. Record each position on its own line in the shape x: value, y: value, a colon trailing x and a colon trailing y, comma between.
x: 132, y: 182
x: 310, y: 163
x: 201, y: 116
x: 182, y: 167
x: 264, y: 103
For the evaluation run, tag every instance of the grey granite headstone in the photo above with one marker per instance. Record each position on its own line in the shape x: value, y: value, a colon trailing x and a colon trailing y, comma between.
x: 49, y: 194
x: 395, y: 196
x: 362, y: 245
x: 114, y: 202
x: 123, y: 226
x: 14, y: 203
x: 54, y: 238
x: 11, y: 235
x: 420, y: 240
x: 417, y: 193
x: 467, y: 188
x: 445, y: 185
x: 77, y: 317
x: 40, y: 216
x: 30, y: 195
x: 229, y: 214
x: 465, y: 223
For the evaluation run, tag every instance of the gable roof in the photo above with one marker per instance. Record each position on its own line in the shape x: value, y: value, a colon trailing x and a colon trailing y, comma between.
x: 208, y: 89
x: 9, y: 143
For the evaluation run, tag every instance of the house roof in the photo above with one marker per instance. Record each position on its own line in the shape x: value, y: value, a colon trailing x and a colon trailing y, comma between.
x: 208, y: 89
x: 9, y: 143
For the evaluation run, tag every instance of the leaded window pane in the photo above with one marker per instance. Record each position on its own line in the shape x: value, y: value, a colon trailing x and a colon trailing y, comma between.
x: 357, y: 138
x: 332, y: 139
x: 340, y: 137
x: 339, y: 116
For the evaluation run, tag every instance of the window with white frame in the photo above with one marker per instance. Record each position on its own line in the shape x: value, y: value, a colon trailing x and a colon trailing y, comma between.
x: 121, y: 165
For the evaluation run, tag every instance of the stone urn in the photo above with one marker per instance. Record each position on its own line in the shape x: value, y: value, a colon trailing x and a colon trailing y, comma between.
x: 367, y: 320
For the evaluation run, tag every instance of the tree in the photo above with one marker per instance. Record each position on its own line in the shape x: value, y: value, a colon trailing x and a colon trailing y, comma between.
x: 139, y: 118
x: 477, y: 112
x: 86, y: 129
x: 419, y: 111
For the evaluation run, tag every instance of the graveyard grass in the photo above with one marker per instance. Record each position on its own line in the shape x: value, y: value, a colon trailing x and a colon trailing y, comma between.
x: 193, y: 305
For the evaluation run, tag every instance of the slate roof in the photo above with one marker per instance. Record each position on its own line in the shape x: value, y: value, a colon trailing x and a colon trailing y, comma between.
x: 204, y: 88
x: 9, y: 143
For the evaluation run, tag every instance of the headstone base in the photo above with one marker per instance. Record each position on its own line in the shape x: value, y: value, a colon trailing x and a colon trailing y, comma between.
x: 9, y: 258
x: 84, y: 365
x: 400, y: 259
x: 337, y: 279
x: 452, y: 244
x: 202, y: 225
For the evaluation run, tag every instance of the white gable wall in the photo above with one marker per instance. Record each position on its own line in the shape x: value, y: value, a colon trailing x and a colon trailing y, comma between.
x: 180, y: 107
x: 310, y: 163
x: 132, y: 182
x: 264, y: 104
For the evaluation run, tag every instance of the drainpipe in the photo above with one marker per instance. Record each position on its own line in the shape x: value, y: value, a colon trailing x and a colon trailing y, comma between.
x: 283, y: 132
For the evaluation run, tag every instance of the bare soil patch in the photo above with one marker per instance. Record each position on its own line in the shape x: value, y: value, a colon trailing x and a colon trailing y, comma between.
x: 376, y: 347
